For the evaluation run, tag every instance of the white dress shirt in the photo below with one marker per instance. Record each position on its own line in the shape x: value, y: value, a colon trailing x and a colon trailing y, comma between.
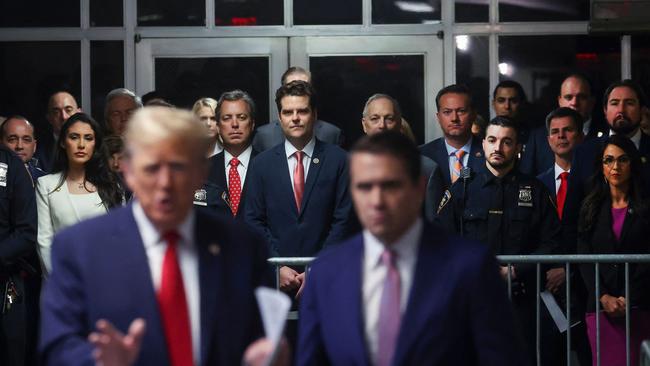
x: 308, y: 151
x: 558, y: 181
x: 156, y: 247
x: 244, y: 158
x: 374, y: 275
x: 451, y: 156
x: 636, y: 138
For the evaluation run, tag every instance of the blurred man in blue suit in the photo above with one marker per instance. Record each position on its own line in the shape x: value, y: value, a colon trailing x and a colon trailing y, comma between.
x: 403, y: 292
x: 185, y: 276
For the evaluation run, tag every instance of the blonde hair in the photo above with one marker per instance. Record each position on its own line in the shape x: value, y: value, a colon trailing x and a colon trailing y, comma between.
x: 204, y: 102
x: 153, y: 124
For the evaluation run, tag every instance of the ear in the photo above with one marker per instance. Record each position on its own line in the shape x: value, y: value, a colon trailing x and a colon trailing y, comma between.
x: 363, y: 126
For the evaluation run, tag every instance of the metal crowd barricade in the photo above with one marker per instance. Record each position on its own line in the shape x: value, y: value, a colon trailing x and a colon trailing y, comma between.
x: 538, y: 260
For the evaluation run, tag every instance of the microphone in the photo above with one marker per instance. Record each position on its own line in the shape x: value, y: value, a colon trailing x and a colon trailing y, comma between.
x: 465, y: 174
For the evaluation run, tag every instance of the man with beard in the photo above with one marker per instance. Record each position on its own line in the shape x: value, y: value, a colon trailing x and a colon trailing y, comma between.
x: 624, y: 106
x: 513, y: 214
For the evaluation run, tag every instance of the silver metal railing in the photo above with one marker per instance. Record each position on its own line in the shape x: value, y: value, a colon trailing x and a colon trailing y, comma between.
x: 538, y: 260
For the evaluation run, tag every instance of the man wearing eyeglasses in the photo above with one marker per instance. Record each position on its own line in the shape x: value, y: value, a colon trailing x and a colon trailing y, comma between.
x: 458, y: 149
x: 383, y: 113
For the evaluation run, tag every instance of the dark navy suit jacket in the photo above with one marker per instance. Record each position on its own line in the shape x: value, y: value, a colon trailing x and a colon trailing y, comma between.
x: 100, y: 270
x: 324, y: 217
x: 582, y: 168
x: 437, y: 151
x: 548, y: 178
x: 216, y: 188
x: 457, y: 313
x: 270, y: 134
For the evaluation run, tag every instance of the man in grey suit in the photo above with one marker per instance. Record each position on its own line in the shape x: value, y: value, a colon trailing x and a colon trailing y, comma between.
x: 270, y: 134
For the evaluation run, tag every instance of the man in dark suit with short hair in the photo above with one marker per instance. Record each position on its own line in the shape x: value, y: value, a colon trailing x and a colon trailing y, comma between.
x: 271, y: 134
x: 225, y: 189
x: 298, y: 194
x: 403, y: 292
x: 155, y: 282
x: 458, y: 148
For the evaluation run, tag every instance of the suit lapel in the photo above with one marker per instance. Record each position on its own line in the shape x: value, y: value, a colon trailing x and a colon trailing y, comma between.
x: 443, y: 160
x: 346, y: 303
x: 211, y: 288
x: 283, y: 179
x: 475, y: 160
x: 422, y: 297
x: 136, y: 268
x: 317, y: 159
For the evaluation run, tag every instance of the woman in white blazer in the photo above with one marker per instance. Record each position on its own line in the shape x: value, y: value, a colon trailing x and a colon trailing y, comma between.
x: 81, y: 185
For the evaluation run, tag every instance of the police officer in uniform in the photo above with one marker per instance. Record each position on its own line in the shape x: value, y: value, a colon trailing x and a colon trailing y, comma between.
x: 511, y: 212
x: 19, y: 263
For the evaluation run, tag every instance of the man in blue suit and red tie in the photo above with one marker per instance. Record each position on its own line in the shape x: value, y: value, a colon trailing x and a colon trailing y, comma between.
x: 185, y: 276
x: 403, y: 292
x: 298, y: 194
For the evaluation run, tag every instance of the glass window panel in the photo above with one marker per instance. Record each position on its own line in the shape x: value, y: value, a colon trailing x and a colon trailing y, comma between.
x: 472, y: 11
x: 106, y: 73
x: 543, y: 11
x: 105, y: 13
x: 27, y: 81
x: 306, y: 12
x: 39, y: 13
x: 540, y: 63
x: 184, y: 80
x: 344, y: 83
x: 249, y: 12
x: 171, y: 13
x: 473, y: 70
x: 405, y: 11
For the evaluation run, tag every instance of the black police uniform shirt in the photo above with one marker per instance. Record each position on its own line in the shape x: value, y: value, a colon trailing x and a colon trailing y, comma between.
x: 17, y: 212
x: 514, y: 215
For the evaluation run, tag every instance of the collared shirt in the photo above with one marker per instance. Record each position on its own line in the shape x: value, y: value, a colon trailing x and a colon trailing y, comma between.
x: 244, y: 158
x: 586, y: 126
x: 451, y: 154
x: 292, y: 160
x: 217, y: 149
x: 636, y: 138
x: 374, y: 275
x: 558, y: 181
x: 156, y: 247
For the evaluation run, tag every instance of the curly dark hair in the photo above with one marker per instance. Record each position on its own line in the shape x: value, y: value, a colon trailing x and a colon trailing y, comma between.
x: 599, y: 187
x: 97, y: 171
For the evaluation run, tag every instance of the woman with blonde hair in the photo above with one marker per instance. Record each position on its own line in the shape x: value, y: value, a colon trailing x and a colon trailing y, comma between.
x: 204, y: 109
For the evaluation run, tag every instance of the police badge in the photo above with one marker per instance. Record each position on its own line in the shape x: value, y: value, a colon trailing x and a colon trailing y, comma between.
x: 525, y: 196
x: 201, y: 197
x: 445, y: 199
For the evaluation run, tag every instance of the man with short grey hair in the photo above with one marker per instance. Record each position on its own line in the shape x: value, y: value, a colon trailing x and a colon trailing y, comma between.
x: 121, y: 103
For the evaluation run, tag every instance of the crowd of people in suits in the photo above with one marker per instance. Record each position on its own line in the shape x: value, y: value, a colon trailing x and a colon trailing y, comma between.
x: 569, y: 185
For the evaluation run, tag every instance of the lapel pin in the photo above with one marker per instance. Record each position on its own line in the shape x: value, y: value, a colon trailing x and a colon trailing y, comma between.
x: 316, y: 161
x: 478, y: 154
x: 214, y: 249
x: 643, y: 159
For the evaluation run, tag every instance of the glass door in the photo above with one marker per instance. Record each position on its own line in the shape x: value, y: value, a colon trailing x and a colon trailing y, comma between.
x: 186, y: 69
x: 347, y: 70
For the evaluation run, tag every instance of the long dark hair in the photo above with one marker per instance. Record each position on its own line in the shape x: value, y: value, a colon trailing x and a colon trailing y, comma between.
x: 97, y: 171
x: 599, y: 187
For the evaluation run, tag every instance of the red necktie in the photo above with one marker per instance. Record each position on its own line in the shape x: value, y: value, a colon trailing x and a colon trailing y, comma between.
x: 389, y: 311
x: 561, y: 193
x: 458, y: 165
x: 173, y: 307
x: 298, y: 179
x: 234, y: 186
